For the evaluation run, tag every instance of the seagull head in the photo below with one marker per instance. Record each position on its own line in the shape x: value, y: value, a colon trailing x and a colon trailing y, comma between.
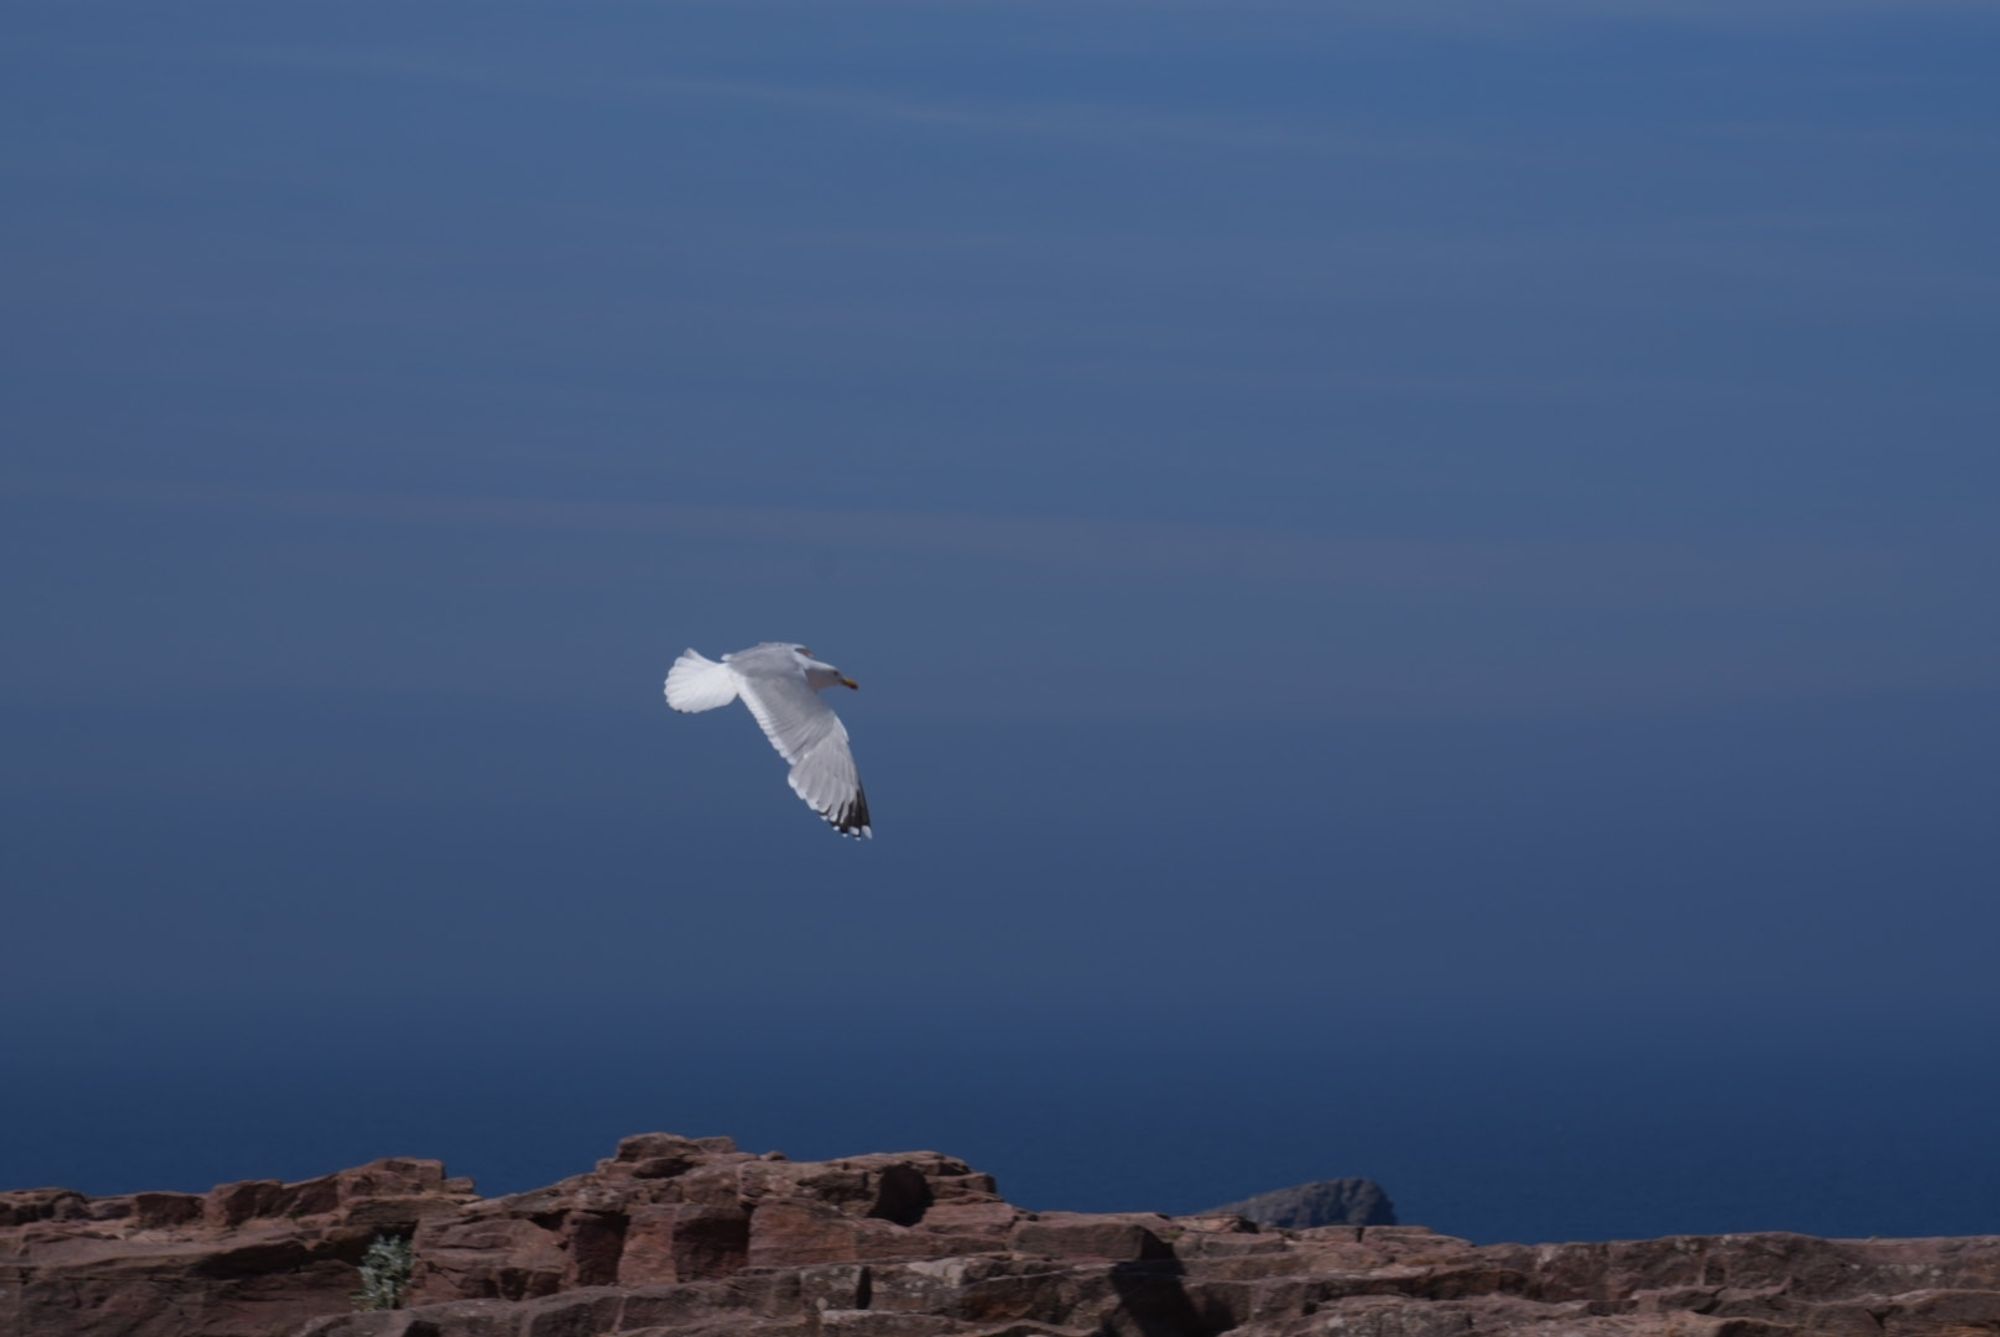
x: 822, y: 674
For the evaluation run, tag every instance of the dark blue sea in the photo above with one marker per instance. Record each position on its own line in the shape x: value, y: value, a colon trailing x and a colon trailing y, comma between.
x: 1530, y: 1136
x: 1542, y: 981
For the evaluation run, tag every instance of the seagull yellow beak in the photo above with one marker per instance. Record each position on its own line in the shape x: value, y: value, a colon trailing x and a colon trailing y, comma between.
x: 849, y: 682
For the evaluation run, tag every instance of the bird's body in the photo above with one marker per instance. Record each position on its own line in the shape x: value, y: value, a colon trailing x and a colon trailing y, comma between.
x: 781, y: 683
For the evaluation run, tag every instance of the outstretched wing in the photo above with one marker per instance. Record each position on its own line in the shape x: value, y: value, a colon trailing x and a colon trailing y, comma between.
x: 811, y: 737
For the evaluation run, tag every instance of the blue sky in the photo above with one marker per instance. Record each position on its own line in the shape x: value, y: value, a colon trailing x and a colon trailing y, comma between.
x: 1369, y: 534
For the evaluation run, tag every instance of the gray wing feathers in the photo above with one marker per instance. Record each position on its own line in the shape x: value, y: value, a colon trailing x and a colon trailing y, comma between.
x: 807, y: 733
x: 826, y: 779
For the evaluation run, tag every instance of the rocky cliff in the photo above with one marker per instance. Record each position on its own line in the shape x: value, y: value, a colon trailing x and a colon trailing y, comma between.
x: 679, y: 1237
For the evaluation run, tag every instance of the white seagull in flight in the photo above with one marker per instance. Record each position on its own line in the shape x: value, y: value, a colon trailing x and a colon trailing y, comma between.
x: 781, y: 684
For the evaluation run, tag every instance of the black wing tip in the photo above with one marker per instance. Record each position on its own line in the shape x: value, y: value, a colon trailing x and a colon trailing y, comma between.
x: 851, y: 818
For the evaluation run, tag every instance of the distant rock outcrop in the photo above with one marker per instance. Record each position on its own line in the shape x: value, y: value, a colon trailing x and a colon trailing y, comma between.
x: 689, y: 1237
x: 1325, y: 1202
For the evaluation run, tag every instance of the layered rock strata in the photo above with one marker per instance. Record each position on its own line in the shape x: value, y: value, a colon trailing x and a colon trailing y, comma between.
x: 689, y: 1237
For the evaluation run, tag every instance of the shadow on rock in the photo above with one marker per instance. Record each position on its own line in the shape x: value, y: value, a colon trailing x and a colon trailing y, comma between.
x: 1153, y: 1301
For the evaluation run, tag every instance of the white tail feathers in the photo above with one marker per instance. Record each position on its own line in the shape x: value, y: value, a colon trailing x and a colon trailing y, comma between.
x: 695, y: 683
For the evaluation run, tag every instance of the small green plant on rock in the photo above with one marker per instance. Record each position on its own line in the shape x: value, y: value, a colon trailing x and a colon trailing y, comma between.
x: 385, y: 1273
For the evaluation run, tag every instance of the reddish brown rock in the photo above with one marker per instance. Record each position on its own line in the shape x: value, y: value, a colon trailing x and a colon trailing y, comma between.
x: 233, y: 1204
x: 153, y: 1211
x: 1076, y: 1235
x: 23, y: 1206
x: 801, y: 1234
x: 690, y: 1237
x: 674, y: 1242
x: 487, y: 1254
x: 972, y: 1218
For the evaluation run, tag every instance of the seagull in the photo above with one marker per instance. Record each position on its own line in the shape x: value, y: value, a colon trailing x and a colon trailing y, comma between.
x: 781, y: 684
